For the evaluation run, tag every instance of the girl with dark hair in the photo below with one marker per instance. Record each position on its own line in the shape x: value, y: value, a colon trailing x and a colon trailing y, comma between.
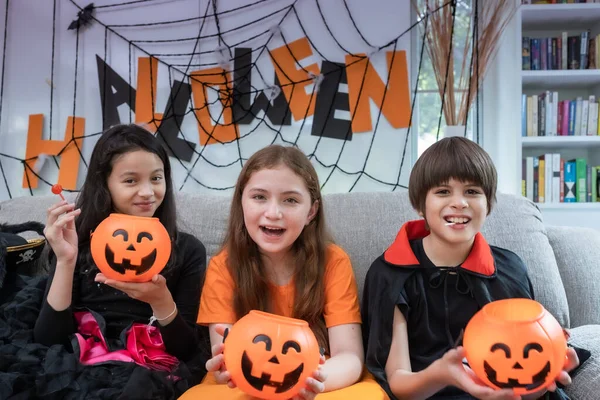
x: 129, y: 173
x: 277, y: 257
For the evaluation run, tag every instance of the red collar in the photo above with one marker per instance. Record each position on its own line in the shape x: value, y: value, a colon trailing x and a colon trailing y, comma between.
x: 479, y: 261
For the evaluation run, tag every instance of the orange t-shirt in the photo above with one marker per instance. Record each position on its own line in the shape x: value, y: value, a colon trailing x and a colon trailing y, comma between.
x: 341, y: 292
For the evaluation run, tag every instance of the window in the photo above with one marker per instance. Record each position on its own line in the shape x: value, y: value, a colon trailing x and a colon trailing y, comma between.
x: 428, y: 100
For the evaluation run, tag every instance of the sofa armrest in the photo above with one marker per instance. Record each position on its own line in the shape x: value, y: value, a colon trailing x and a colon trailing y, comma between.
x: 586, y: 382
x: 577, y: 253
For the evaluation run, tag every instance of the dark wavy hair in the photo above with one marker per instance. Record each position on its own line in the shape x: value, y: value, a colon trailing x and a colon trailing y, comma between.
x: 95, y: 200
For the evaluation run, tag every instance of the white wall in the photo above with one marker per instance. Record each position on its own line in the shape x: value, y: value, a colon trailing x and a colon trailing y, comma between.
x: 28, y: 71
x: 502, y: 109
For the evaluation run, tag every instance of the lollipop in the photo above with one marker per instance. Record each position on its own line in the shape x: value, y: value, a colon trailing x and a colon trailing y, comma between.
x: 57, y: 189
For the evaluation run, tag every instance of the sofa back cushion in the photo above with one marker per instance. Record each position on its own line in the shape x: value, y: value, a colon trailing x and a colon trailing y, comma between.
x: 365, y: 224
x: 516, y: 224
x: 576, y: 251
x: 28, y: 208
x: 204, y: 216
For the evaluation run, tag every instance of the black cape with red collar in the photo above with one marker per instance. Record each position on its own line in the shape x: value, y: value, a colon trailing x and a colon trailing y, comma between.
x: 437, y: 302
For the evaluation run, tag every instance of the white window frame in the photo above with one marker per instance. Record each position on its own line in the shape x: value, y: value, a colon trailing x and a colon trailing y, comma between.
x: 416, y: 39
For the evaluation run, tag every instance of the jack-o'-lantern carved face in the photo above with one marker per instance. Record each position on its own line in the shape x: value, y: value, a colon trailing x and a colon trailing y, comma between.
x: 528, y: 368
x: 270, y: 356
x: 262, y: 353
x: 130, y: 248
x: 515, y: 344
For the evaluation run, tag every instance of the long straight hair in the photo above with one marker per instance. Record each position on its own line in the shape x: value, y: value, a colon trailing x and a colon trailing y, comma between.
x: 95, y: 200
x: 309, y: 249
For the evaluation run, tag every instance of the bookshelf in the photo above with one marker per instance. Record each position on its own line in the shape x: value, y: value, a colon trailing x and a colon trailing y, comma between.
x: 561, y: 79
x: 559, y: 16
x: 567, y: 206
x: 540, y: 22
x: 561, y: 142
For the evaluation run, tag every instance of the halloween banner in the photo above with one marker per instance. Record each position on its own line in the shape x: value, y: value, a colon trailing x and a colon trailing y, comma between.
x: 213, y: 86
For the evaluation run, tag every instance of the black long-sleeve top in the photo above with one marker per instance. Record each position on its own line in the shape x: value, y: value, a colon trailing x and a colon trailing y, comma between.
x: 185, y: 277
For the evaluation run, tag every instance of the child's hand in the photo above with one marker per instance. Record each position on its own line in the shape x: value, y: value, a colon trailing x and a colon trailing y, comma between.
x: 217, y: 363
x: 314, y: 384
x: 155, y: 292
x: 60, y: 231
x: 459, y: 375
x: 563, y: 378
x: 571, y: 363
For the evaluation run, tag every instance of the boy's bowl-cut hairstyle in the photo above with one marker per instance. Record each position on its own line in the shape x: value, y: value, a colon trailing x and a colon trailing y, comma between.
x: 454, y: 157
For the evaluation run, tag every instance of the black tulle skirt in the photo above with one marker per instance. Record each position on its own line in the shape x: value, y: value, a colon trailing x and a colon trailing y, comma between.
x: 30, y: 370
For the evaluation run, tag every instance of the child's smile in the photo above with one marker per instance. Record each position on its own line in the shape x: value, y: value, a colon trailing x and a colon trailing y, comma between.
x: 457, y: 222
x: 455, y: 211
x: 273, y: 231
x: 454, y: 220
x: 277, y: 207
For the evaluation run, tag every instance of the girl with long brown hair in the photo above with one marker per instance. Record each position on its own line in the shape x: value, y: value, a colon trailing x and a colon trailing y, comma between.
x: 277, y: 257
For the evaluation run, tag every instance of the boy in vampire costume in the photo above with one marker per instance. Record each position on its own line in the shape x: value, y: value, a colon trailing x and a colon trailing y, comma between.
x: 422, y: 291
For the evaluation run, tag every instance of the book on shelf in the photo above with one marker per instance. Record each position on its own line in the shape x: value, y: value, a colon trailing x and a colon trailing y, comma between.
x: 544, y: 115
x: 575, y: 51
x: 548, y: 178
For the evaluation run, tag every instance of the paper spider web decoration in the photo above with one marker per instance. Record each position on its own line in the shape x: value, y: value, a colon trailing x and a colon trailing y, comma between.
x: 252, y: 99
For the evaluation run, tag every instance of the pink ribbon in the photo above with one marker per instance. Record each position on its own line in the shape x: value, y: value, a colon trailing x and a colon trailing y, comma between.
x: 144, y: 345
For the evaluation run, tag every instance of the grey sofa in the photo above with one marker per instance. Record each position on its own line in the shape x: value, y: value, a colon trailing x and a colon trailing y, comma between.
x: 564, y: 263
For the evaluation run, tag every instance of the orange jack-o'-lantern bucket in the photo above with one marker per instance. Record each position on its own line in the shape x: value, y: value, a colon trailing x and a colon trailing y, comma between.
x: 130, y: 248
x: 270, y: 356
x: 515, y: 344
